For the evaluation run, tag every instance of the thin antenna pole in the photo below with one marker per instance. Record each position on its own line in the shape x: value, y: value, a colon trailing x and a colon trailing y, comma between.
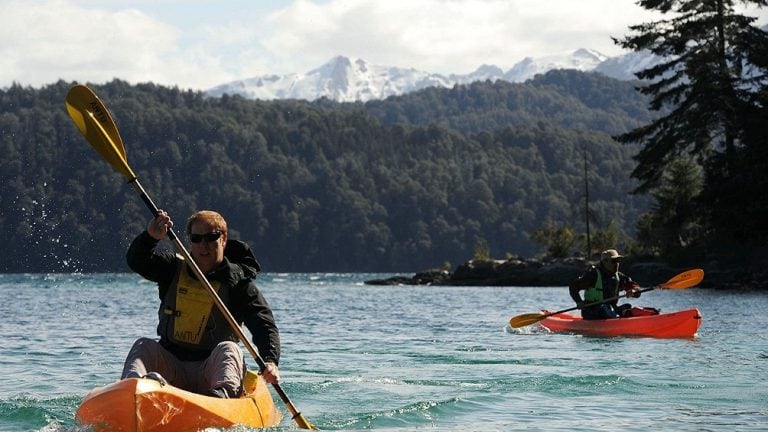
x: 586, y: 203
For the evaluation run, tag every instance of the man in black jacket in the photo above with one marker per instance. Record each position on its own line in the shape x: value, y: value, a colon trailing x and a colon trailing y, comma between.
x: 198, y: 349
x: 603, y: 282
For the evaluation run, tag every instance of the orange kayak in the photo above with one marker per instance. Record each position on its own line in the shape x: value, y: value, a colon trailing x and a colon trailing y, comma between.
x: 143, y: 405
x: 681, y: 324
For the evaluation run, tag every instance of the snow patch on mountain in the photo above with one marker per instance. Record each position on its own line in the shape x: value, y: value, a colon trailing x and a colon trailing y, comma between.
x: 623, y: 67
x: 581, y: 59
x: 347, y: 80
x: 341, y: 79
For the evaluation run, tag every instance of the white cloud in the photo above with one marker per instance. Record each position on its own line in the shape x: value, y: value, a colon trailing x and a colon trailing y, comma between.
x: 447, y: 36
x: 45, y: 41
x: 202, y: 43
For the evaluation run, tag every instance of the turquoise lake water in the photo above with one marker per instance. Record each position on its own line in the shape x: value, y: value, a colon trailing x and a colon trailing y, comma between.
x: 405, y: 358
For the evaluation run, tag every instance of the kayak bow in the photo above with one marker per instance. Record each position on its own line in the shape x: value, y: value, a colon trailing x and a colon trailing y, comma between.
x: 144, y: 405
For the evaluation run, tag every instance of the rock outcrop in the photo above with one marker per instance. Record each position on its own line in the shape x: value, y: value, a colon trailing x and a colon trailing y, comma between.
x: 526, y: 272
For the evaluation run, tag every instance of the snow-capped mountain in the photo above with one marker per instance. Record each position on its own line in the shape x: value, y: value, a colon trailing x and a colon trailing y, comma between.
x: 347, y: 80
x: 341, y: 79
x: 581, y: 59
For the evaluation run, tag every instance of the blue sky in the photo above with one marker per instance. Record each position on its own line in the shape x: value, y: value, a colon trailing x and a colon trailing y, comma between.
x: 202, y: 43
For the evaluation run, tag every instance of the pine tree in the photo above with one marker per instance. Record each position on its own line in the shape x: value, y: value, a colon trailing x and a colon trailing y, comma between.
x: 709, y: 90
x: 714, y: 65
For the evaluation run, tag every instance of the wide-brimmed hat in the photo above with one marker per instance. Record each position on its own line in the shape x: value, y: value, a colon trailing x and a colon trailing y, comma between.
x: 610, y: 255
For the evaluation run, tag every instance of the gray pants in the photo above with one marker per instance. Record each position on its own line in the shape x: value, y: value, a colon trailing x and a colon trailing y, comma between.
x: 224, y: 368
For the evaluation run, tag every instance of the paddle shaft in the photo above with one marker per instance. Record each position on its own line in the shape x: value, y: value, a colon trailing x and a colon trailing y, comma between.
x: 595, y: 303
x: 295, y: 414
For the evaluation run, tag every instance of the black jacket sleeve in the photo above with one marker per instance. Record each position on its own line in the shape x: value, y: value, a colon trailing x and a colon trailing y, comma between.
x: 248, y: 305
x: 156, y: 266
x: 625, y: 282
x: 585, y: 281
x: 257, y: 316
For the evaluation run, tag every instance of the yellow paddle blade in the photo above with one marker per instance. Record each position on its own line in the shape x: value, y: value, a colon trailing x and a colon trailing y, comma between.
x: 303, y: 423
x: 685, y: 279
x: 95, y: 123
x: 526, y: 319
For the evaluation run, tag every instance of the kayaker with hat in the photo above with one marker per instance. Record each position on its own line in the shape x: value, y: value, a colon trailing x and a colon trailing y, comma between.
x: 602, y: 282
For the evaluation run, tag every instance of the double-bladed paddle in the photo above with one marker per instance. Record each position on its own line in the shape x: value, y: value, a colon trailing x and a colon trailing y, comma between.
x: 94, y: 121
x: 685, y: 279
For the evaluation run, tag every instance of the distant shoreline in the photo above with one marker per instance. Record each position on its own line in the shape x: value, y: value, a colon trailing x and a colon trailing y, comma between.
x: 516, y: 272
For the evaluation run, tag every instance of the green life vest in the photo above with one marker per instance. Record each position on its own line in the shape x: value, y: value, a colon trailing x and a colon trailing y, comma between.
x: 596, y: 292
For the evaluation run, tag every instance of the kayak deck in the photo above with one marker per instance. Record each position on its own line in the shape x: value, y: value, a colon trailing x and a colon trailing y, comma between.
x: 140, y: 404
x: 680, y: 324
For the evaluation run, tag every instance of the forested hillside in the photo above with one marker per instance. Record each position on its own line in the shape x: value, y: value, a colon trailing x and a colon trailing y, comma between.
x: 397, y: 185
x: 567, y: 98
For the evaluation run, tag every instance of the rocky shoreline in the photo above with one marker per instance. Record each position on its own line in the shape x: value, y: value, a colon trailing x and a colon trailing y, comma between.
x: 560, y: 272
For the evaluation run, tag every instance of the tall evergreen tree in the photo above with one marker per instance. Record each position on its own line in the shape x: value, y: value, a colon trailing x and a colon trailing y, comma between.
x: 673, y: 224
x: 714, y: 68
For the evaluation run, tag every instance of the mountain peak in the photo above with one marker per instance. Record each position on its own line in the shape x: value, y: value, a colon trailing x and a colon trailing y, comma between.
x: 581, y: 59
x: 345, y: 79
x: 337, y: 62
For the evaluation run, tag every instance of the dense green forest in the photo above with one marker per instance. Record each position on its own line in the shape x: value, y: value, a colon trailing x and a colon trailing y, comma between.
x: 401, y: 184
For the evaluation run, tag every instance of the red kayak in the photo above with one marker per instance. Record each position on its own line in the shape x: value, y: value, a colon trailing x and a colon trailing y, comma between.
x: 681, y: 324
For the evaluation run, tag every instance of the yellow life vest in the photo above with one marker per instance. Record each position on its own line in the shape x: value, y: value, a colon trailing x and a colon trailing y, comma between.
x: 188, y: 315
x: 193, y: 308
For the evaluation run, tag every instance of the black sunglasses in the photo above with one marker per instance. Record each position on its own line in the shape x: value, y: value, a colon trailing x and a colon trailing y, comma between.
x: 209, y: 237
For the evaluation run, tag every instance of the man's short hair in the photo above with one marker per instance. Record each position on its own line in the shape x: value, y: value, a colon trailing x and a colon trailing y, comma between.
x: 213, y: 218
